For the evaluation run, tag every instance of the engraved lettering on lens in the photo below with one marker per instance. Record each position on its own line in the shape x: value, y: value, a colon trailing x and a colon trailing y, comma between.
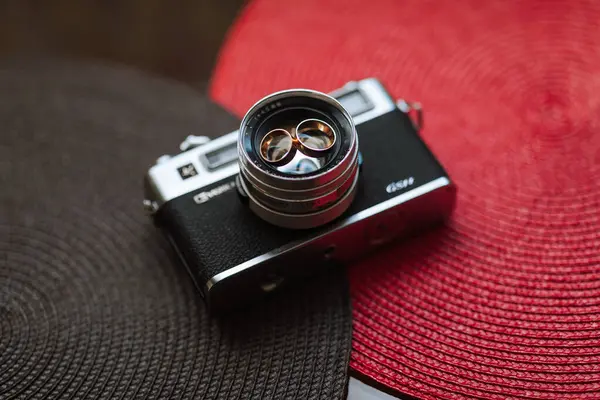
x: 399, y: 185
x: 203, y: 197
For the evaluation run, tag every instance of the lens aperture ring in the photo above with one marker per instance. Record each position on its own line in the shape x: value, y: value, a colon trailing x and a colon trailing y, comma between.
x: 313, y: 192
x: 305, y: 205
x: 302, y: 221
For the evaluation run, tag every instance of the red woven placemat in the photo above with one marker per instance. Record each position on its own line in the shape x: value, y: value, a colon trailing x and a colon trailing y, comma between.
x: 504, y: 301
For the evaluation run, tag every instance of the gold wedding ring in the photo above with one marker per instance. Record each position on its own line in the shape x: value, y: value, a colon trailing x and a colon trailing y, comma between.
x: 315, y: 137
x: 277, y: 147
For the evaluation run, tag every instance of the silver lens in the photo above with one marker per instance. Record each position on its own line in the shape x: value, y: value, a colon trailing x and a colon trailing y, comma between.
x: 298, y: 156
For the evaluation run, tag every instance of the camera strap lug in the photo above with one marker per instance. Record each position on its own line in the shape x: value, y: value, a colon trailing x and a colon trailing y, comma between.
x: 414, y: 112
x: 150, y: 207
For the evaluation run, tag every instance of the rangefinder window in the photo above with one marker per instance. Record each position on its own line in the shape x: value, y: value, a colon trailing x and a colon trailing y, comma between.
x: 355, y: 103
x: 217, y: 158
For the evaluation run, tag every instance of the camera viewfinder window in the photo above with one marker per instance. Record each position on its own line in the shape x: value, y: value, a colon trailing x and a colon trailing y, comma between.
x: 218, y: 158
x: 355, y: 103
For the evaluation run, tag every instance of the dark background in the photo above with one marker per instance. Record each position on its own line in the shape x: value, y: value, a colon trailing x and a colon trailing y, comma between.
x: 175, y: 39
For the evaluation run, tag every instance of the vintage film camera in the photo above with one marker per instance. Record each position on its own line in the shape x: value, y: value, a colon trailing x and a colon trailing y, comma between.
x: 309, y: 179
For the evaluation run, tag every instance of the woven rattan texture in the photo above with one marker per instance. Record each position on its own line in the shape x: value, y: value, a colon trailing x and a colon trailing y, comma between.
x: 92, y: 301
x: 504, y: 301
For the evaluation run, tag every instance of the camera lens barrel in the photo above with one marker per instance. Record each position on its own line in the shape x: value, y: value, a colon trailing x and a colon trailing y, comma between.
x: 298, y: 157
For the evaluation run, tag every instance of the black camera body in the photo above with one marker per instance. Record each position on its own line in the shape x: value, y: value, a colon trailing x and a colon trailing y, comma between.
x: 234, y: 256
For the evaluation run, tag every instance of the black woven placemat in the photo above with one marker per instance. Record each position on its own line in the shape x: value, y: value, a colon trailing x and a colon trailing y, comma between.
x: 92, y: 301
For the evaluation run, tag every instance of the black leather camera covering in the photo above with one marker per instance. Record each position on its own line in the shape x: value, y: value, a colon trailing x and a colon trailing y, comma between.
x: 222, y: 233
x: 93, y: 302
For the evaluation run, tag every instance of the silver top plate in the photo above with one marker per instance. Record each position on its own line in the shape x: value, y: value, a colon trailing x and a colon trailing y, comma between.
x: 191, y: 170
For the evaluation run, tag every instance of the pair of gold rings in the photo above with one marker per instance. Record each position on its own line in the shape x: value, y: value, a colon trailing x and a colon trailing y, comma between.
x: 312, y: 137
